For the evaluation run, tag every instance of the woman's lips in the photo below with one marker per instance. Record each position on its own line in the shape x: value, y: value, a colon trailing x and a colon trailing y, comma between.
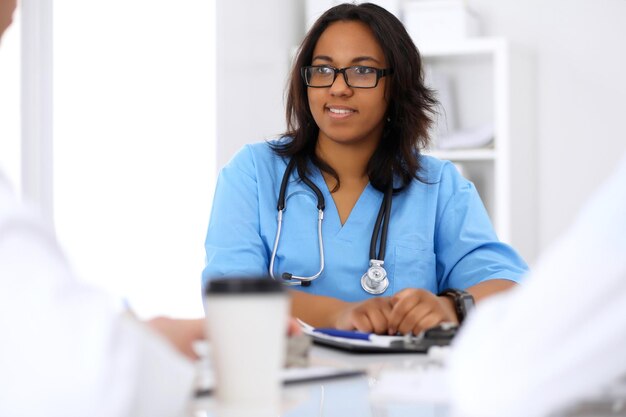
x: 338, y: 112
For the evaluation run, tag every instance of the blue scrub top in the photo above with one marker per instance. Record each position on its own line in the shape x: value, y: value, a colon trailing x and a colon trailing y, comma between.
x: 439, y: 237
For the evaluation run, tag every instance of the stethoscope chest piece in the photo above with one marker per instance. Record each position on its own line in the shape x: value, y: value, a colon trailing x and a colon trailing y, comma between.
x: 375, y: 280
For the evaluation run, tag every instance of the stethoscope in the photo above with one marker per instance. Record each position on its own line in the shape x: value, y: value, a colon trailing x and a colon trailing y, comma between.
x: 375, y: 280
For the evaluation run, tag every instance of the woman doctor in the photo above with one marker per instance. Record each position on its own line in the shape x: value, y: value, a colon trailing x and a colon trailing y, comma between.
x: 398, y: 228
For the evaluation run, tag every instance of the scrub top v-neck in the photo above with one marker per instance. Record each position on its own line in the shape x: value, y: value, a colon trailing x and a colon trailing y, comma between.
x: 359, y: 213
x: 439, y: 235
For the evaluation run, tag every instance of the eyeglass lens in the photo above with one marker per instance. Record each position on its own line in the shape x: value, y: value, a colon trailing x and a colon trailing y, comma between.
x: 358, y: 76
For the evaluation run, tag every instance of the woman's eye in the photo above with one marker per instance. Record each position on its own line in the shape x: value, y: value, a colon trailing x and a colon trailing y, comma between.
x: 324, y: 70
x: 363, y: 70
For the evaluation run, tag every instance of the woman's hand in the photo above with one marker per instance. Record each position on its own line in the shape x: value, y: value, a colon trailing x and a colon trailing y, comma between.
x: 180, y: 333
x: 293, y: 328
x: 371, y: 315
x: 415, y: 310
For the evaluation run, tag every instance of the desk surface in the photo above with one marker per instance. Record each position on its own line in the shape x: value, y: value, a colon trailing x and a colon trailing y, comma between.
x: 350, y: 396
x: 371, y: 395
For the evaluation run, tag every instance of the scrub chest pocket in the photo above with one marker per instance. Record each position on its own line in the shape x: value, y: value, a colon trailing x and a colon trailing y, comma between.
x: 414, y: 268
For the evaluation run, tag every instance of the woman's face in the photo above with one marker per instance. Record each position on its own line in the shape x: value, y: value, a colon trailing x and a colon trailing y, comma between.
x: 344, y: 114
x: 7, y: 7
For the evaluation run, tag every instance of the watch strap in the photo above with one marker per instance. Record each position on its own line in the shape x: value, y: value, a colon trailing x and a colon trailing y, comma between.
x: 462, y: 300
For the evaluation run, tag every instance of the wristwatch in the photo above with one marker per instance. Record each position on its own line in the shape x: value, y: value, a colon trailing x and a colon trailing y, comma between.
x: 462, y: 300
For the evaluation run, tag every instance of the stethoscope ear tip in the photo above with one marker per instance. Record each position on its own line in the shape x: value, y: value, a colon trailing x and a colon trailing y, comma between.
x: 297, y: 281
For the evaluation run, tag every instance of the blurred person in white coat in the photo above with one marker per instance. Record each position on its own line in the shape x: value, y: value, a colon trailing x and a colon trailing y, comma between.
x: 561, y: 336
x: 67, y: 349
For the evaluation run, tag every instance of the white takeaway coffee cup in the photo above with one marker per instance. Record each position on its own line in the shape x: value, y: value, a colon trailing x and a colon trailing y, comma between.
x: 246, y: 321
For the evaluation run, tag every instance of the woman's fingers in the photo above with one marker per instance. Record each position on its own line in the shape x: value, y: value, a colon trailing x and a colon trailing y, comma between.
x: 378, y: 318
x: 403, y: 302
x: 368, y: 316
x: 412, y: 310
x: 411, y: 320
x: 429, y: 320
x: 415, y: 310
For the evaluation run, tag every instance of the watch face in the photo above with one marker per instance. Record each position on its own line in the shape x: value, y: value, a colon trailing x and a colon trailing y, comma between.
x: 467, y: 303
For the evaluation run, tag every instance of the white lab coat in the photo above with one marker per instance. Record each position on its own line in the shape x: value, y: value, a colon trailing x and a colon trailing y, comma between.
x: 561, y: 335
x: 67, y: 349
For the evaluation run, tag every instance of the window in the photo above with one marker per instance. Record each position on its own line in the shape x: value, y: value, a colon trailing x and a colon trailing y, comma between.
x: 134, y: 146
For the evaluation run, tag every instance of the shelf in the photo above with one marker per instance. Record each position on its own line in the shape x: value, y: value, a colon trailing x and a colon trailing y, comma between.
x: 470, y: 46
x: 460, y: 155
x: 480, y: 81
x: 471, y: 77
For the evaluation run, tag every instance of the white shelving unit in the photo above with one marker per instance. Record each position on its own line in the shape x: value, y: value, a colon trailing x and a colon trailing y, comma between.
x: 479, y: 78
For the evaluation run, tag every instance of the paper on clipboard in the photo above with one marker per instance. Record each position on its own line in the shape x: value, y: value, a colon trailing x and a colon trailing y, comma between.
x: 373, y: 341
x: 359, y: 342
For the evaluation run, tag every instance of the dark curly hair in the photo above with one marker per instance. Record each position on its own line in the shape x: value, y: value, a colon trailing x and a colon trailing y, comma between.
x: 411, y: 104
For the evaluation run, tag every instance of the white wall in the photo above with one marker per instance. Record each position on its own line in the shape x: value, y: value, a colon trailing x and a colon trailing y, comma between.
x: 254, y: 43
x: 579, y: 58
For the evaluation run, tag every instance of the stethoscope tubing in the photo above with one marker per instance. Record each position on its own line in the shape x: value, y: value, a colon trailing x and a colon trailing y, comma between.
x: 383, y: 217
x: 382, y: 222
x: 289, y: 278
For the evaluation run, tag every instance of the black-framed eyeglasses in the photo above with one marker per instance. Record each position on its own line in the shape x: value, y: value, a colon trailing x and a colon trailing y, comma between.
x: 357, y: 76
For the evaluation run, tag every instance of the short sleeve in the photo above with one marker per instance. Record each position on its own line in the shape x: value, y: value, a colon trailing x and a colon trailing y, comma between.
x: 233, y: 243
x: 467, y: 247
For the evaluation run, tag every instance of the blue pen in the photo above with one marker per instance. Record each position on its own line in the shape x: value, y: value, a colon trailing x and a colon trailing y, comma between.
x: 349, y: 334
x: 357, y: 336
x: 376, y: 339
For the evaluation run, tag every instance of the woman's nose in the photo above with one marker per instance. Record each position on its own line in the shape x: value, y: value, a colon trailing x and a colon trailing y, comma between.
x: 339, y: 86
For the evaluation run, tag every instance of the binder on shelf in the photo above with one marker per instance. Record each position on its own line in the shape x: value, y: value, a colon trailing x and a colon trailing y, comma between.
x: 479, y: 137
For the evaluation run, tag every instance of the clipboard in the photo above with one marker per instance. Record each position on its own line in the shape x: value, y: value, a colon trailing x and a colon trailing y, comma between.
x: 359, y: 342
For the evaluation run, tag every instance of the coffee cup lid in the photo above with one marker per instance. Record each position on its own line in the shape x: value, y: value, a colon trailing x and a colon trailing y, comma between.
x: 236, y: 285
